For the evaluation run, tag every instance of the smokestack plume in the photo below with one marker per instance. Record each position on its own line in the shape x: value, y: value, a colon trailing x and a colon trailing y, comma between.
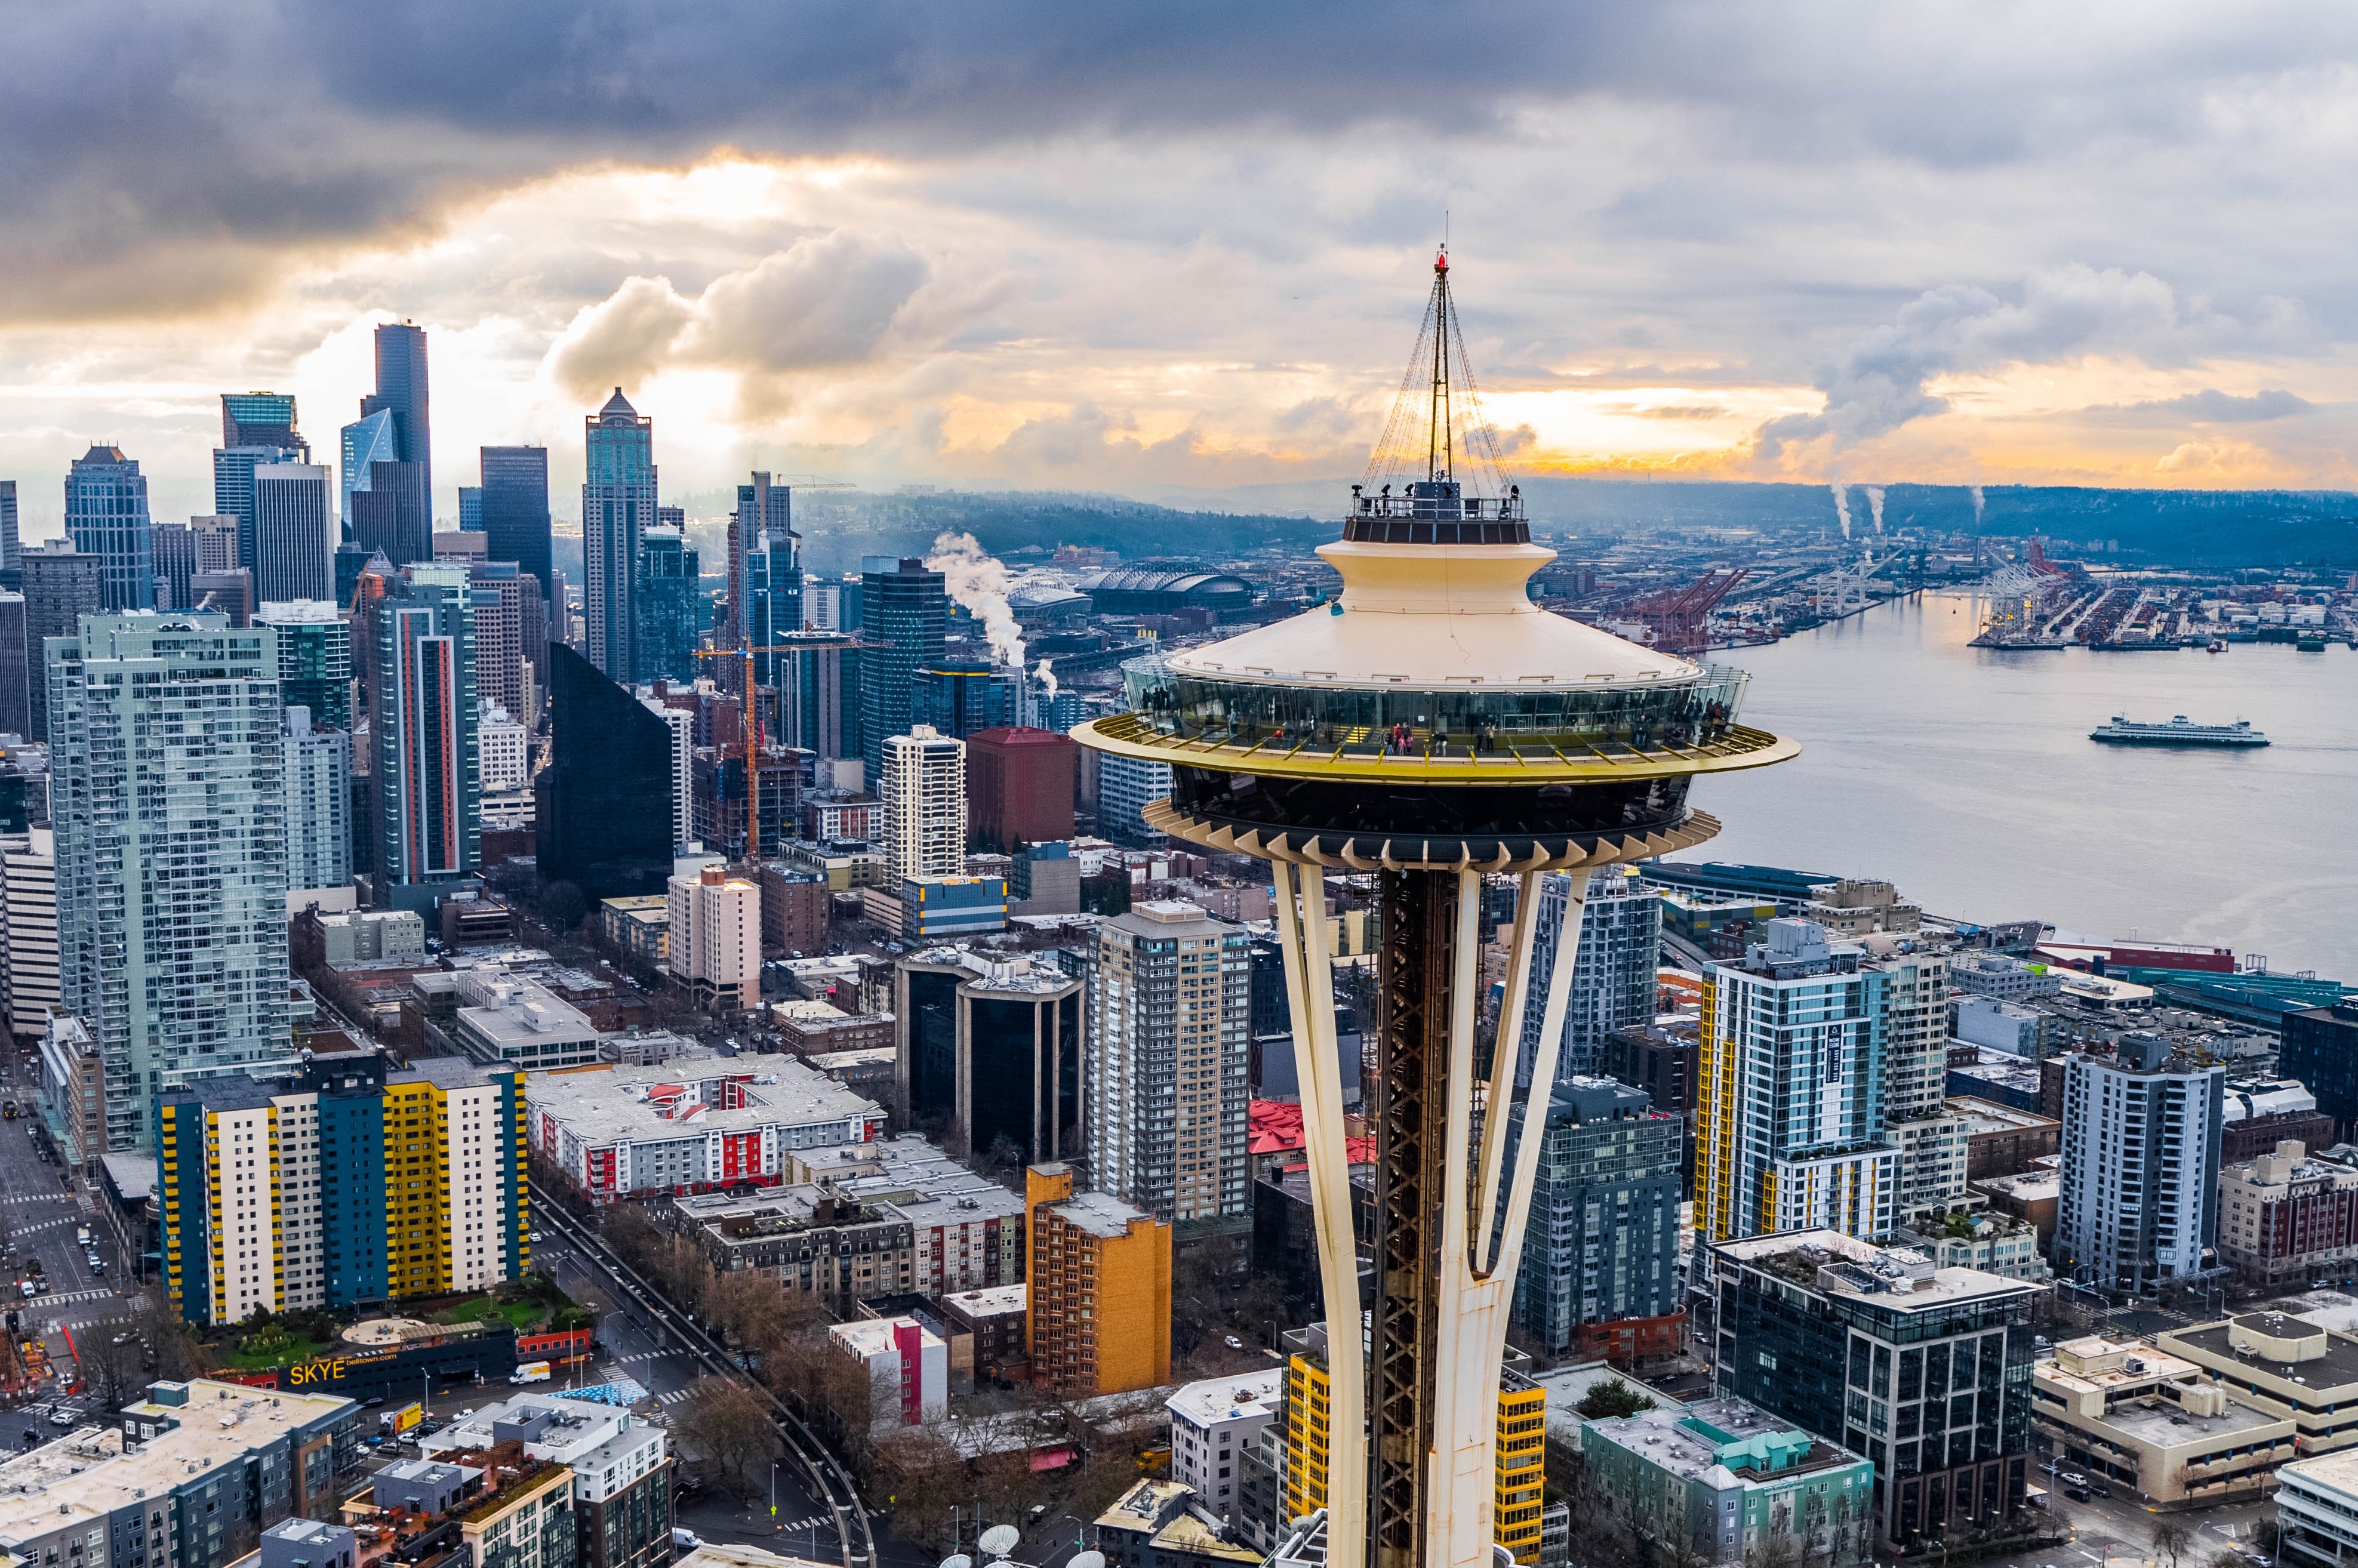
x: 1975, y: 491
x: 1842, y: 507
x: 979, y: 582
x: 1875, y: 504
x: 1046, y: 677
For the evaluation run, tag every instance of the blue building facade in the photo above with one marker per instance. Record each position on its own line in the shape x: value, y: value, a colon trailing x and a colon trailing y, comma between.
x: 106, y: 515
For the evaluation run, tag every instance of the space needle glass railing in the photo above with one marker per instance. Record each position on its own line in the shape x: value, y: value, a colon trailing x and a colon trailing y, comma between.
x: 1539, y: 719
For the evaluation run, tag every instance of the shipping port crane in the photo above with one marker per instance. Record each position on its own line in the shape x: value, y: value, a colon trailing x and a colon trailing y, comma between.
x: 1677, y: 616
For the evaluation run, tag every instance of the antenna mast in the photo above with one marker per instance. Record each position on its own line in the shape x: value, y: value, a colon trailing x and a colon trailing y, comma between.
x: 1438, y: 453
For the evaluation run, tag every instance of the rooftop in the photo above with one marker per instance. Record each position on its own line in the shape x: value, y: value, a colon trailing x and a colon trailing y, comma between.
x: 1894, y: 1278
x: 1098, y: 1214
x: 991, y: 1301
x: 2166, y: 1425
x: 1251, y: 1393
x: 1987, y: 1116
x: 1723, y: 1443
x: 2329, y: 1372
x: 2338, y: 1470
x: 662, y: 1101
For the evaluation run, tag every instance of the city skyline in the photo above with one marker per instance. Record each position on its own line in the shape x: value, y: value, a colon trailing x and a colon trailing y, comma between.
x: 1953, y: 249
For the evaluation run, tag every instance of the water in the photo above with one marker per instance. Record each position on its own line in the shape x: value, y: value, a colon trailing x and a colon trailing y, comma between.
x: 1966, y: 776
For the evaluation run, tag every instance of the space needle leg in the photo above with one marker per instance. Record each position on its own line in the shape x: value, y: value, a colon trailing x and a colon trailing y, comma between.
x: 1310, y: 991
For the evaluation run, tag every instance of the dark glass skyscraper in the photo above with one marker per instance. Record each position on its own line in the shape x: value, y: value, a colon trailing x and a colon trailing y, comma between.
x: 8, y: 545
x: 388, y: 471
x: 906, y: 608
x: 515, y: 499
x: 257, y: 427
x: 599, y: 821
x: 61, y: 586
x: 765, y: 581
x: 666, y: 605
x: 618, y: 506
x: 106, y: 515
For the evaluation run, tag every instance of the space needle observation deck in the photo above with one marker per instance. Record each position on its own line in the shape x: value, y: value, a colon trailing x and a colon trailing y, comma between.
x: 1431, y: 726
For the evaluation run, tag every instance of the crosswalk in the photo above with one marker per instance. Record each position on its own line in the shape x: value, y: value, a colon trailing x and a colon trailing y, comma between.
x: 672, y: 1398
x: 68, y: 1298
x: 36, y: 1197
x: 642, y: 1355
x: 815, y: 1522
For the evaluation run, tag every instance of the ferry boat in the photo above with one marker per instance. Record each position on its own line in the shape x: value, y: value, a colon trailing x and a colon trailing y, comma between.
x: 2179, y: 731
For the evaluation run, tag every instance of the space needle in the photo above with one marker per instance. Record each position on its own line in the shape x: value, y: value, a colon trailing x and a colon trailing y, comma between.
x: 1432, y: 727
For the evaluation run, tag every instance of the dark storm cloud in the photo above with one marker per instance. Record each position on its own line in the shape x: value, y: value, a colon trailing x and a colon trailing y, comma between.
x: 160, y: 157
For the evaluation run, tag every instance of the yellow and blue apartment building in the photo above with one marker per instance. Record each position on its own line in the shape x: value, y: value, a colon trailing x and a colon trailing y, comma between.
x: 341, y: 1182
x: 1520, y: 1489
x: 1789, y: 1092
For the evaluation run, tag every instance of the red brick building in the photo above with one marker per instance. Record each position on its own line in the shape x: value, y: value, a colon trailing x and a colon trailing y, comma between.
x: 795, y: 912
x: 1019, y: 787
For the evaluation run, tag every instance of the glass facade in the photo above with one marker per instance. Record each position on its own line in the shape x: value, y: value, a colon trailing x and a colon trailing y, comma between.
x: 515, y: 503
x: 107, y: 516
x: 1931, y: 1383
x: 610, y: 757
x: 1603, y: 1238
x: 426, y: 718
x: 667, y: 603
x: 170, y: 805
x: 906, y: 608
x: 315, y: 659
x: 618, y: 507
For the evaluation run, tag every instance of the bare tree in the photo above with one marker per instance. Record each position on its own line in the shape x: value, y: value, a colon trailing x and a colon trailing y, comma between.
x: 2172, y: 1538
x: 730, y: 1425
x: 918, y: 1472
x: 111, y: 1360
x: 631, y: 1234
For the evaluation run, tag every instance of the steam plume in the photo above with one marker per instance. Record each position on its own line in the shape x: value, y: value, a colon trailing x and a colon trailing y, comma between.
x: 1875, y: 504
x: 1841, y: 504
x: 978, y: 580
x: 1046, y: 677
x: 1975, y: 491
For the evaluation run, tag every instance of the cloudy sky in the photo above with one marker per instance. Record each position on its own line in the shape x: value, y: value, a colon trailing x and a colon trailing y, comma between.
x: 1180, y: 250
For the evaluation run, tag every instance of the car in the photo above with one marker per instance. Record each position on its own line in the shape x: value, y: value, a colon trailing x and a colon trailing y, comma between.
x: 371, y: 1405
x: 27, y: 1289
x: 1233, y: 1343
x: 537, y: 1237
x: 61, y: 1418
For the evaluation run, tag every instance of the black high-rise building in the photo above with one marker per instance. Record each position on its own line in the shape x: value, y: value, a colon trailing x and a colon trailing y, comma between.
x: 395, y: 512
x: 603, y: 802
x: 906, y: 609
x: 2320, y: 1049
x: 515, y: 509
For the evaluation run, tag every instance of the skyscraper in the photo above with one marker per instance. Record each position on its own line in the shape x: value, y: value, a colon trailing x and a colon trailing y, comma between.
x: 315, y: 659
x: 766, y: 600
x: 388, y: 464
x: 667, y: 605
x: 597, y: 820
x: 107, y: 516
x: 1603, y: 1244
x: 15, y: 667
x: 2139, y: 1205
x: 9, y: 544
x: 1791, y: 1114
x: 427, y: 775
x: 61, y: 586
x: 515, y: 508
x: 906, y: 608
x: 317, y: 768
x: 470, y: 509
x: 170, y: 803
x: 293, y: 533
x: 923, y: 789
x: 511, y: 636
x: 1169, y: 1011
x: 401, y: 392
x: 618, y: 506
x: 1613, y: 971
x: 1917, y: 1121
x: 184, y: 550
x: 262, y: 419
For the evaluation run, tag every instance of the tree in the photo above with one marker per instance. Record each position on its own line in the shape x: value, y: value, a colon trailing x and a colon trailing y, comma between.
x: 631, y: 1234
x: 2172, y: 1538
x: 731, y: 1425
x: 109, y: 1360
x: 562, y: 907
x: 1610, y: 1399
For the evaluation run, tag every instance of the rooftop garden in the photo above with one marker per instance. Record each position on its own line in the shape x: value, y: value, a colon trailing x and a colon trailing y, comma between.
x: 534, y: 1304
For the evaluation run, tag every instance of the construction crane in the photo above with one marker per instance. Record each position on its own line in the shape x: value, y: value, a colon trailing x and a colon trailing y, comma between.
x: 752, y: 726
x: 1677, y: 616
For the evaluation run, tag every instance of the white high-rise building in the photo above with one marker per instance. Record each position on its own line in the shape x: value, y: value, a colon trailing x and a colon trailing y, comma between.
x: 682, y: 724
x: 505, y: 747
x: 1612, y: 973
x: 715, y: 937
x: 2139, y: 1204
x: 924, y: 790
x: 1126, y: 787
x: 1930, y: 1139
x: 29, y: 866
x: 1791, y: 1101
x: 170, y: 808
x: 1165, y: 1087
x: 318, y: 767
